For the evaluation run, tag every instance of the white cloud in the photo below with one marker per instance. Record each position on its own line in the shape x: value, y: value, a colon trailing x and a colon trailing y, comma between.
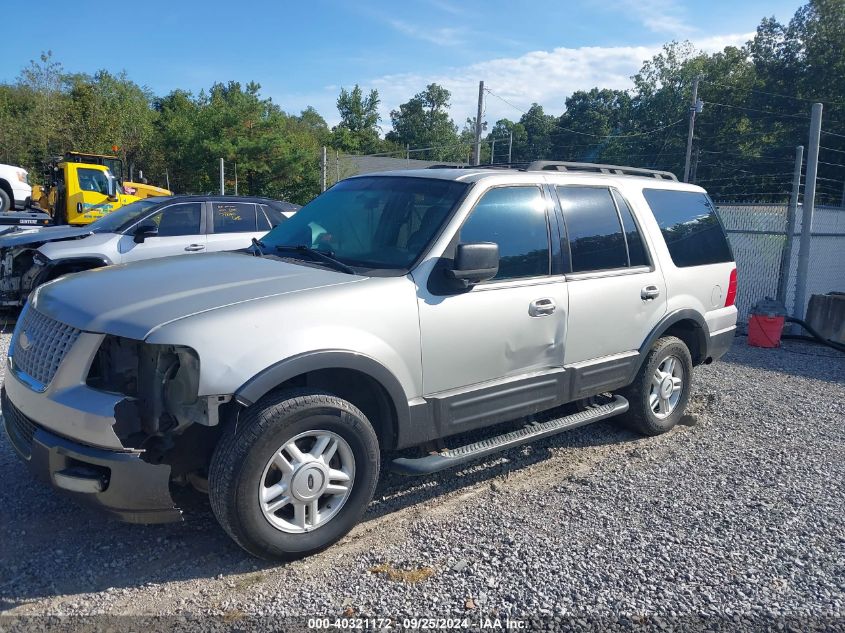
x: 545, y: 77
x: 441, y: 36
x: 666, y: 17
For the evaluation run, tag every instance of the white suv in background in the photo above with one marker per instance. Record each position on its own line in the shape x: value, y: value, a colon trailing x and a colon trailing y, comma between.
x: 15, y: 190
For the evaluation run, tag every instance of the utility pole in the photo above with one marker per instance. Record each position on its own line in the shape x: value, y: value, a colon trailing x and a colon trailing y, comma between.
x: 323, y: 169
x: 807, y: 216
x: 167, y: 178
x: 222, y: 181
x: 694, y: 169
x: 791, y: 212
x: 492, y: 150
x: 477, y: 155
x: 510, y: 148
x: 337, y: 165
x: 693, y: 108
x: 236, y: 179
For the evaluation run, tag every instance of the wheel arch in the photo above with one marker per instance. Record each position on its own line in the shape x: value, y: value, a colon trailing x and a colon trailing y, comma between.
x: 5, y: 186
x: 688, y: 325
x: 357, y: 378
x: 58, y: 267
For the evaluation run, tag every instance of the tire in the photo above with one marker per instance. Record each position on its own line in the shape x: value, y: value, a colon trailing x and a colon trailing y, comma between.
x: 244, y: 466
x: 645, y: 415
x: 5, y: 201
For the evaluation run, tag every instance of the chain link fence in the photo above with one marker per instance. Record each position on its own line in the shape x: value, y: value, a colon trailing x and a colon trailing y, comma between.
x: 758, y: 235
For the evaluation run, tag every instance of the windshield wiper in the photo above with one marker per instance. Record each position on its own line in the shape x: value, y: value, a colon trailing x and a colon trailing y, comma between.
x: 320, y: 255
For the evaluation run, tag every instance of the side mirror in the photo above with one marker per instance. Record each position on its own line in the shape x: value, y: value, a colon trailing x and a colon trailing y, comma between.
x: 475, y: 263
x: 111, y: 189
x: 144, y: 231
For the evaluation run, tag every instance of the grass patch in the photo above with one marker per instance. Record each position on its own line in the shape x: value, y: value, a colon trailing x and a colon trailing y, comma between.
x: 408, y: 576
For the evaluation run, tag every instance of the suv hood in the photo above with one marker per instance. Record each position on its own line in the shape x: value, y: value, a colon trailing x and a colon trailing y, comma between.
x: 131, y: 300
x: 48, y: 234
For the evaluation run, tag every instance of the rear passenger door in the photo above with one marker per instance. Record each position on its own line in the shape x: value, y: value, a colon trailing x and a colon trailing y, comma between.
x: 180, y: 232
x: 616, y: 293
x: 233, y: 225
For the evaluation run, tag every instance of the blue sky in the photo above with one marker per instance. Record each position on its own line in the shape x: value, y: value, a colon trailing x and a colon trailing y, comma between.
x: 303, y: 52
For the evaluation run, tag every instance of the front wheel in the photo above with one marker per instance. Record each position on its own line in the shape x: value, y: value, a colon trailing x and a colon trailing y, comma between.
x: 294, y: 474
x: 660, y: 392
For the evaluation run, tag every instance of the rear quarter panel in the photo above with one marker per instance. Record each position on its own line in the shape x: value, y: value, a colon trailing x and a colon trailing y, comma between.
x: 699, y: 288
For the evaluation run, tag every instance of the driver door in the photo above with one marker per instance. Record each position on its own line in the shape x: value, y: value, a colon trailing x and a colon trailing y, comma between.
x: 180, y: 232
x: 497, y: 350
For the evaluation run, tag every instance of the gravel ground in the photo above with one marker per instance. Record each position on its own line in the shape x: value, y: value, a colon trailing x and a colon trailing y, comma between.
x: 736, y: 517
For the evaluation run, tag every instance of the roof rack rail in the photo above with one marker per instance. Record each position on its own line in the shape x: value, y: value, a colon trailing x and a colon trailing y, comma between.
x: 493, y: 166
x: 618, y: 170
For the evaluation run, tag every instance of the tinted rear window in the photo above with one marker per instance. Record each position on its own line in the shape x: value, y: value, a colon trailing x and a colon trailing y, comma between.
x: 690, y: 227
x: 595, y: 234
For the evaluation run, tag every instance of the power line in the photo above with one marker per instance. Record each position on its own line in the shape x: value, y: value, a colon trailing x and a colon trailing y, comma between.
x: 766, y: 112
x: 560, y: 128
x: 833, y: 134
x: 774, y: 94
x: 830, y: 149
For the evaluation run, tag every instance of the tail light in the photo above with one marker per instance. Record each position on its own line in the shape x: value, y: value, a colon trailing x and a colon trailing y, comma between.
x: 730, y: 297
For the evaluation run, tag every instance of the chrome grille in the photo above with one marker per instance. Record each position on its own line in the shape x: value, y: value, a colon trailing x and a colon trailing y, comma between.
x: 19, y: 428
x: 40, y: 345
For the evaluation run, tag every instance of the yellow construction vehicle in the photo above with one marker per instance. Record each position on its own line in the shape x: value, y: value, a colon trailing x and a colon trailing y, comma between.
x: 81, y: 188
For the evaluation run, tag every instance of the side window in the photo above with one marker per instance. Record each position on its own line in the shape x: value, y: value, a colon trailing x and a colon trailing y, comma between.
x: 515, y: 219
x: 178, y: 219
x: 690, y: 227
x: 93, y: 180
x: 233, y: 217
x: 263, y: 215
x: 636, y: 246
x: 592, y: 224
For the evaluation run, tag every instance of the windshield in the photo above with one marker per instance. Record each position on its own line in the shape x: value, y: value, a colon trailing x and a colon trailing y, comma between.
x: 124, y: 217
x: 372, y: 222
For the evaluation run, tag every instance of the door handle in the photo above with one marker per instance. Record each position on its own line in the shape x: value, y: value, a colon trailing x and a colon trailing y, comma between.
x: 541, y: 307
x: 649, y: 293
x: 195, y: 247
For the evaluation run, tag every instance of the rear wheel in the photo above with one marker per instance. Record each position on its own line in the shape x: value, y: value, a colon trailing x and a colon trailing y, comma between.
x: 5, y: 201
x: 661, y: 390
x: 294, y: 474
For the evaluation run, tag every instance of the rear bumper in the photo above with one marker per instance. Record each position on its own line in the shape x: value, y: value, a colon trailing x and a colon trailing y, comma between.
x: 118, y: 483
x: 719, y: 343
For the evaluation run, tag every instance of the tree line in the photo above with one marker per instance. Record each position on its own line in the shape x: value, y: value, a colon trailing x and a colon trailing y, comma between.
x: 756, y: 102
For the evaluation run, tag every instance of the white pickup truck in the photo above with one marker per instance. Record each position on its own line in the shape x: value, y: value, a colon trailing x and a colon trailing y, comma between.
x: 15, y: 190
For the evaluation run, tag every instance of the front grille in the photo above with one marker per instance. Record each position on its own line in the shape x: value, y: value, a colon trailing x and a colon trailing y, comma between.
x: 19, y: 428
x: 41, y: 344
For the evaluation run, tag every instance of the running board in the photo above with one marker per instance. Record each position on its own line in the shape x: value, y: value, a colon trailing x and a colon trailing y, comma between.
x: 451, y: 457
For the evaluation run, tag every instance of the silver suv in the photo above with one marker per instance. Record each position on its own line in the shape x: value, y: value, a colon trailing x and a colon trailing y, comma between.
x: 393, y: 311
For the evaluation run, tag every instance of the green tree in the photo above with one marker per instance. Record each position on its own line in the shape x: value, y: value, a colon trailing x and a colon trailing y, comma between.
x: 358, y: 130
x: 424, y: 122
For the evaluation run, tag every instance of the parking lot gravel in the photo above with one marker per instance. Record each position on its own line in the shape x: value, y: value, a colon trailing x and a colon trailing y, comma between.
x: 736, y: 516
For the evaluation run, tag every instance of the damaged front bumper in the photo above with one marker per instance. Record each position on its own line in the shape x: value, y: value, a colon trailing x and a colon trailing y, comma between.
x: 95, y: 467
x: 117, y: 482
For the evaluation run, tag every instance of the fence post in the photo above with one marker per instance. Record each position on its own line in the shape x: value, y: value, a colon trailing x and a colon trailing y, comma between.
x: 791, y: 212
x: 323, y: 169
x: 807, y: 214
x: 222, y: 179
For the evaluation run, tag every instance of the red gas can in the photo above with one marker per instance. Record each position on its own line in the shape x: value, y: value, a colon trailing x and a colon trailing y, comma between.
x: 765, y: 324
